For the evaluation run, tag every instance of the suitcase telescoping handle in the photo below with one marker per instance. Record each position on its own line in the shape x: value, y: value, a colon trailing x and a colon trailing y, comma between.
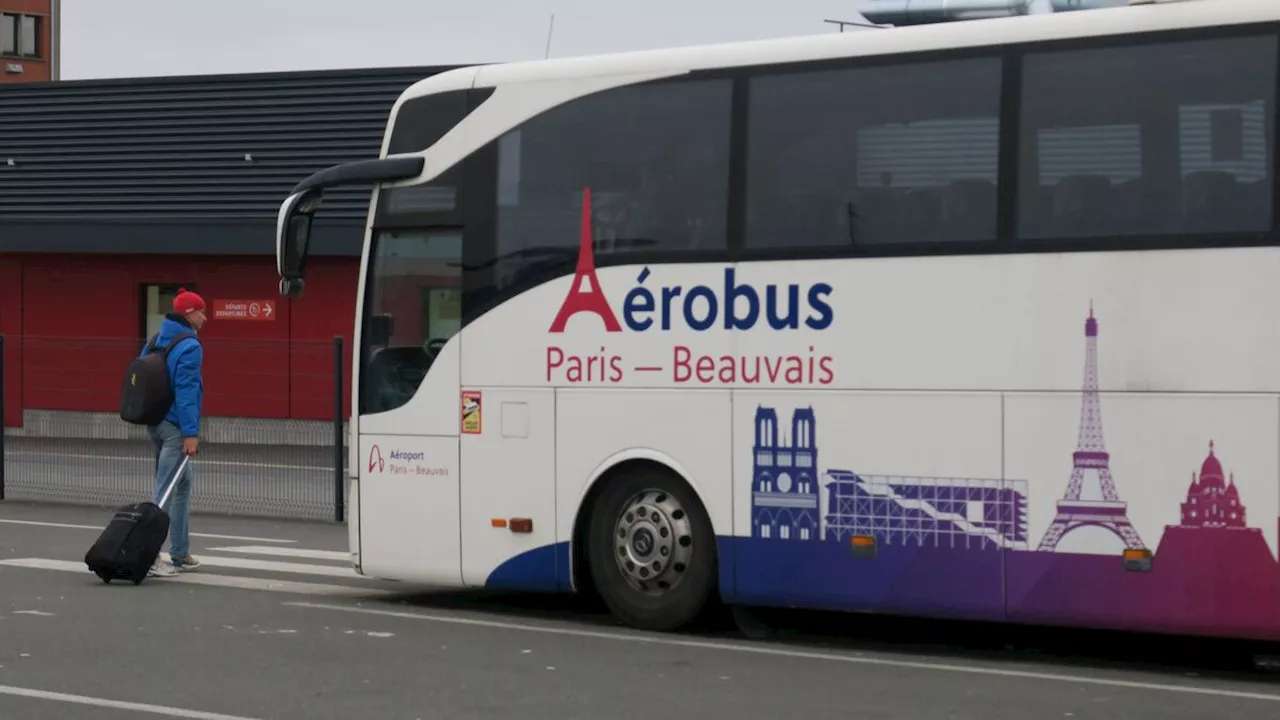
x: 174, y: 480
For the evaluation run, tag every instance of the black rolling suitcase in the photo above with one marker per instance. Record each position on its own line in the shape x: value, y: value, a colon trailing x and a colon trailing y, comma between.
x: 131, y: 542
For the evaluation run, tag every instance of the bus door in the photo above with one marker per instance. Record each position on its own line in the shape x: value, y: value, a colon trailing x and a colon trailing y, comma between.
x: 409, y: 471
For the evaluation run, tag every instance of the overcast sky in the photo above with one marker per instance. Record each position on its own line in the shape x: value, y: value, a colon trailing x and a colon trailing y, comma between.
x: 131, y: 38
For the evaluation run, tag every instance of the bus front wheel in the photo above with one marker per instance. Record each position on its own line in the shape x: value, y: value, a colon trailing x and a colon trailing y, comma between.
x: 652, y: 550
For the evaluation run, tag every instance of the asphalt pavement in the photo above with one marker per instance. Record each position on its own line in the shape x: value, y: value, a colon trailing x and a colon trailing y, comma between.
x: 276, y: 625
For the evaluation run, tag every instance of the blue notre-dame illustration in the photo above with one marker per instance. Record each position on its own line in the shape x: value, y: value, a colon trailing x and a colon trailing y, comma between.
x: 785, y: 490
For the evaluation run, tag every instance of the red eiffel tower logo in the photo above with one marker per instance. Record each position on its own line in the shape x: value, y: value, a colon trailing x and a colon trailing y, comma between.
x: 585, y: 295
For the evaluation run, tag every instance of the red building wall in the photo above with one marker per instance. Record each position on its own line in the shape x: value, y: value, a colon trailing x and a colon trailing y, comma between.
x: 80, y: 317
x: 11, y: 328
x: 326, y: 309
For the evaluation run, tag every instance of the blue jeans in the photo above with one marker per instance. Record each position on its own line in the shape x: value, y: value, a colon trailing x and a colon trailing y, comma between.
x: 168, y: 441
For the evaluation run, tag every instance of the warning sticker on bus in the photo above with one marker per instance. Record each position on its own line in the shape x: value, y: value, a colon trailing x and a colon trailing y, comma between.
x: 471, y: 412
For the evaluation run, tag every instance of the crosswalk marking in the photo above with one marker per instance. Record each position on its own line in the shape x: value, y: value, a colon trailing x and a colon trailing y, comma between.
x: 236, y: 562
x: 334, y: 555
x: 228, y: 581
x: 274, y: 566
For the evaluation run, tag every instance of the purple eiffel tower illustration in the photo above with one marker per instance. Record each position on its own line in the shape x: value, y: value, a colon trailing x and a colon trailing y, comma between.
x: 1091, y: 457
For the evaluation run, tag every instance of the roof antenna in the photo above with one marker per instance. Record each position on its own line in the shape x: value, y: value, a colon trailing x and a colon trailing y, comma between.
x: 550, y: 29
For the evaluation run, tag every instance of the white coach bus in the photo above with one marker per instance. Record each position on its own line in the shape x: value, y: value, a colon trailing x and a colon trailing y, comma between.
x: 971, y: 320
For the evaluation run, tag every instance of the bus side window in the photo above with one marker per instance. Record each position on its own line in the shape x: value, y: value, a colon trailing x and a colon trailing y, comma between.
x: 413, y: 308
x: 656, y: 157
x: 1175, y: 138
x: 897, y: 154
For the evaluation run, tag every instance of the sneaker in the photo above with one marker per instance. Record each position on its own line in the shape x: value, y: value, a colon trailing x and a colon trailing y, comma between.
x: 185, y: 564
x: 161, y: 569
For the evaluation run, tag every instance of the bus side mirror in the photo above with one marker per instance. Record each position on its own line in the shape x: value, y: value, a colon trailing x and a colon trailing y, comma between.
x: 293, y: 238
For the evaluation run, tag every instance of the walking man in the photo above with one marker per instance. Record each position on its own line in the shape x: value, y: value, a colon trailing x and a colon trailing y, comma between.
x: 179, y: 433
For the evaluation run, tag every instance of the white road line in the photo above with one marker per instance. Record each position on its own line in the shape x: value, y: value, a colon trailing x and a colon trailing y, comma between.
x: 334, y: 555
x: 151, y: 461
x: 237, y: 582
x: 99, y: 528
x: 655, y: 639
x: 117, y: 704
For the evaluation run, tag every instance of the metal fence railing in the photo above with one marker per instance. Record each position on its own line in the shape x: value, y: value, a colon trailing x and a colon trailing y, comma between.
x: 73, y: 447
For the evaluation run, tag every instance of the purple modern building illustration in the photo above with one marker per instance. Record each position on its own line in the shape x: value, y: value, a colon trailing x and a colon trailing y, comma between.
x: 959, y: 513
x: 1091, y: 460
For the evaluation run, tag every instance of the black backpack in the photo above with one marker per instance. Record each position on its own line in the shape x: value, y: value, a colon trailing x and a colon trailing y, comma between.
x: 148, y: 389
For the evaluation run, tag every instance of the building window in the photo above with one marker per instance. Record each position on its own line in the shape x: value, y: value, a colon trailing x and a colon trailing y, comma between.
x: 8, y: 34
x: 656, y: 158
x: 1175, y: 138
x: 156, y: 301
x: 27, y: 25
x: 904, y: 153
x: 19, y: 35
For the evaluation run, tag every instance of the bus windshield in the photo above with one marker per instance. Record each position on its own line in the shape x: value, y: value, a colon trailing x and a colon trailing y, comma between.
x: 413, y: 306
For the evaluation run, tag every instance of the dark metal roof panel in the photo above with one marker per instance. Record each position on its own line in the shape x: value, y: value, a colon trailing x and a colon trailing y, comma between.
x: 171, y: 237
x: 227, y: 146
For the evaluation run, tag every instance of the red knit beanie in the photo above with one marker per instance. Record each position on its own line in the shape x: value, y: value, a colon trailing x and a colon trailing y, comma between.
x: 187, y: 301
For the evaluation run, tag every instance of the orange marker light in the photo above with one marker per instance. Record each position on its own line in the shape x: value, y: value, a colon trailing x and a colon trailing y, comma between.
x: 498, y: 522
x: 1137, y: 559
x: 863, y: 545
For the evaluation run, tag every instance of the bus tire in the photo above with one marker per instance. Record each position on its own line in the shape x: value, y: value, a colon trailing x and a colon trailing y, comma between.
x: 651, y: 549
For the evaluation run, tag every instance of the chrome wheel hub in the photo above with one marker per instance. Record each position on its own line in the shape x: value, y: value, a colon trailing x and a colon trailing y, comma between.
x: 653, y: 542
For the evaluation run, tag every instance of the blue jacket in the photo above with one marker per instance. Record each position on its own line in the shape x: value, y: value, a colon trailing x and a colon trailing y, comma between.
x: 185, y: 364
